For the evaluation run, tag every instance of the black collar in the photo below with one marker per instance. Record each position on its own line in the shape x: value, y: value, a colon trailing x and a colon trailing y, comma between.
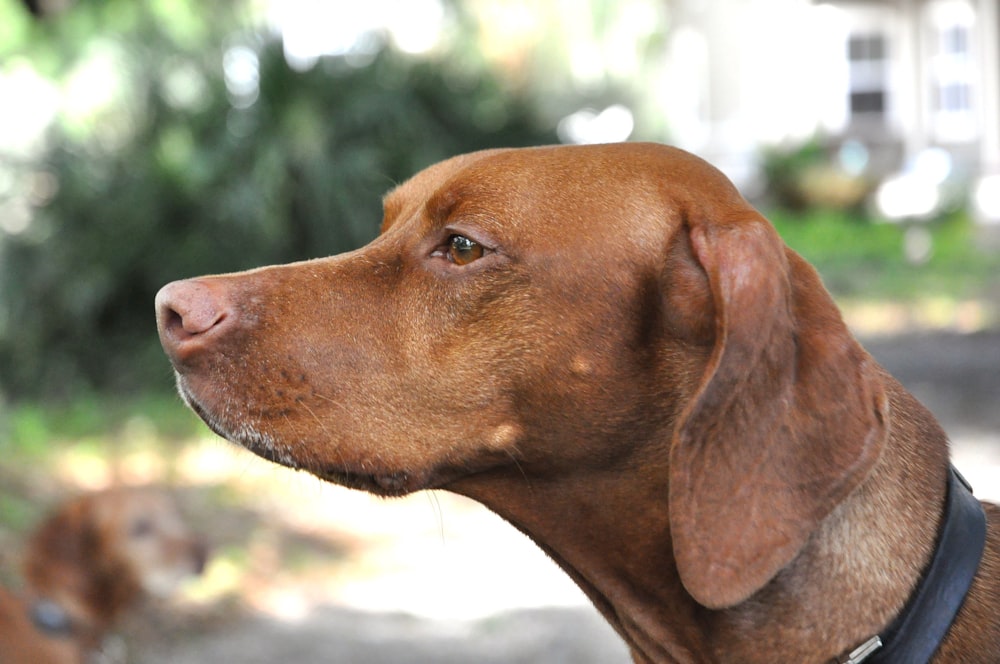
x: 916, y: 633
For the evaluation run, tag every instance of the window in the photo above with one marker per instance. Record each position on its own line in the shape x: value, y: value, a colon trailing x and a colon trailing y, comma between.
x: 952, y: 71
x: 953, y: 98
x: 868, y: 55
x: 954, y: 40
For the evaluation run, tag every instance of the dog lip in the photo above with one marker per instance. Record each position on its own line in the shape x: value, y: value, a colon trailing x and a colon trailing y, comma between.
x: 389, y: 484
x: 398, y: 483
x: 192, y: 402
x: 220, y: 428
x: 383, y: 482
x: 394, y: 483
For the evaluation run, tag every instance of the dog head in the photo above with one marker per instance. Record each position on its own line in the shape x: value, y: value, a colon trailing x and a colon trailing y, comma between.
x: 547, y: 312
x: 98, y: 553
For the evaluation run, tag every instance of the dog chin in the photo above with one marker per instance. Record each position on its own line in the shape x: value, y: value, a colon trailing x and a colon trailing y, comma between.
x: 386, y: 482
x: 245, y: 435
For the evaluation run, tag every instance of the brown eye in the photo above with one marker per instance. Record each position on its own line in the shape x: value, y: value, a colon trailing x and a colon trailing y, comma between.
x: 462, y: 250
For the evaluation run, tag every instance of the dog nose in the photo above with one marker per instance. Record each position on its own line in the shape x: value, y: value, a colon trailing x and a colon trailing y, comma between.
x: 189, y: 314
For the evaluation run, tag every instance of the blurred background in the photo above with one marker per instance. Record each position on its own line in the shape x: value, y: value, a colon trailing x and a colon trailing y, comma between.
x: 141, y: 142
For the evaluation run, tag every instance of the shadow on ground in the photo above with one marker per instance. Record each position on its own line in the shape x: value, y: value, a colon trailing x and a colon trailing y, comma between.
x: 334, y: 634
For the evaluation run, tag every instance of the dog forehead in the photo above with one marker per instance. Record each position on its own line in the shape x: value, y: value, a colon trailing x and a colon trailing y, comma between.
x: 424, y: 184
x: 583, y: 172
x: 600, y: 178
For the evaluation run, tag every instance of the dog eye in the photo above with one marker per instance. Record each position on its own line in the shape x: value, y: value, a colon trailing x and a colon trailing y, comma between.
x: 462, y: 250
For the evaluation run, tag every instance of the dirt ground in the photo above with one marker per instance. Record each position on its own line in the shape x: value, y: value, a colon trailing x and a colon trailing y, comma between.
x: 438, y: 580
x: 341, y: 635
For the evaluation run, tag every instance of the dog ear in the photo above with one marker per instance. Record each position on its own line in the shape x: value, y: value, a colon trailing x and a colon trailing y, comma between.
x: 56, y: 548
x: 68, y: 559
x: 789, y: 417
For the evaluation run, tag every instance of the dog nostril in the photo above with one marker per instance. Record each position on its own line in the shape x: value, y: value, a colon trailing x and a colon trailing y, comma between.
x: 186, y: 309
x: 193, y: 322
x: 172, y: 320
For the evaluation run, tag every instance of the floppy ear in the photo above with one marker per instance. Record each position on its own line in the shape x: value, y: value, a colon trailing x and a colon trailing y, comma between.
x: 787, y: 420
x: 69, y: 560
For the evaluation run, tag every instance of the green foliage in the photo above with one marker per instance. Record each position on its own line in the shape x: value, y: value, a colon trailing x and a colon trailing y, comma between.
x: 782, y: 169
x: 32, y: 431
x: 858, y: 258
x: 179, y: 181
x: 807, y: 176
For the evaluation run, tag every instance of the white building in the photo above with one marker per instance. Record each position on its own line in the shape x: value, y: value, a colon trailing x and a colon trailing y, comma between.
x: 900, y: 76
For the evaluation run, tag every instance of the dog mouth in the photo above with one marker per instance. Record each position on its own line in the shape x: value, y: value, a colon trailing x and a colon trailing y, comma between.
x: 245, y: 435
x: 384, y: 483
x: 394, y: 484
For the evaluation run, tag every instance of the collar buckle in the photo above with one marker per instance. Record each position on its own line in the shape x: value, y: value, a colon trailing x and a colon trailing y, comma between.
x: 862, y: 652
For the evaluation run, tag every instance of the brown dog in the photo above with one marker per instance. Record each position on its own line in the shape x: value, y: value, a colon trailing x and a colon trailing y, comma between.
x: 89, y: 563
x: 610, y: 348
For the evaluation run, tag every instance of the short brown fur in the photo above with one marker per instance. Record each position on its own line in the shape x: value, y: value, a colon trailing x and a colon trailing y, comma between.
x: 637, y: 373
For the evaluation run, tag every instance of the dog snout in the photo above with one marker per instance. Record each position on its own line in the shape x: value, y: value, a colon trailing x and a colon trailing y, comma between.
x: 190, y: 314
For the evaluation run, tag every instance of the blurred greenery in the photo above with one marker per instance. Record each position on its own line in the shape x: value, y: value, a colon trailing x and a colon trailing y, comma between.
x: 782, y: 168
x: 163, y: 169
x: 811, y: 176
x: 32, y: 430
x: 858, y: 257
x: 180, y: 178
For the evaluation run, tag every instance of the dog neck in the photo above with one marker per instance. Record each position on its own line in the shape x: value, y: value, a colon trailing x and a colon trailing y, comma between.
x: 920, y: 628
x: 622, y: 558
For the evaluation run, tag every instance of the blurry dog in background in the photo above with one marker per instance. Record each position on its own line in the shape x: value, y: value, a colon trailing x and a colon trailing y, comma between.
x: 87, y: 566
